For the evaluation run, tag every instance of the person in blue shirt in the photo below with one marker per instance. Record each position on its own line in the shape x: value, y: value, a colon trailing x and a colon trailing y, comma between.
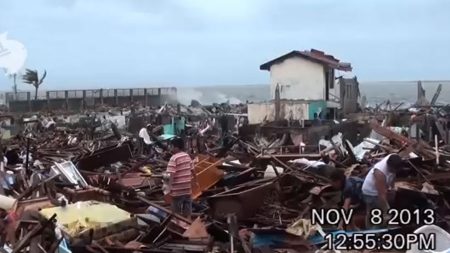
x: 351, y: 193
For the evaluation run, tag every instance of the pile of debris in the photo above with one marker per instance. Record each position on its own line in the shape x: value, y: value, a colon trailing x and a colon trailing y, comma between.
x: 96, y: 184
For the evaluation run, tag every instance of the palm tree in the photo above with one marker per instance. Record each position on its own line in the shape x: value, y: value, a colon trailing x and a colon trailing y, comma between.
x: 32, y: 77
x: 15, y: 84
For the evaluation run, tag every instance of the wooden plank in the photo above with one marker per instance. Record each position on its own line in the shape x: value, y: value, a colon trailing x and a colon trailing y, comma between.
x: 291, y: 156
x: 441, y: 131
x: 206, y: 177
x: 402, y: 141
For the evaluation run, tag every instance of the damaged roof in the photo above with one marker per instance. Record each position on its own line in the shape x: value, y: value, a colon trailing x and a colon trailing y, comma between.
x: 312, y: 55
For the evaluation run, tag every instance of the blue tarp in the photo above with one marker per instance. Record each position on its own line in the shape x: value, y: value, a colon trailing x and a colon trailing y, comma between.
x: 63, y: 247
x: 175, y: 127
x: 272, y: 240
x: 166, y: 137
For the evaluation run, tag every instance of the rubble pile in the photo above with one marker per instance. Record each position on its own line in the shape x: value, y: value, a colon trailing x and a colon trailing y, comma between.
x: 96, y: 182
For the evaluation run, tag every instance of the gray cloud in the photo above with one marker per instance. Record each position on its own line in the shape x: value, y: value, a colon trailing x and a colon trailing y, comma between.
x: 117, y: 43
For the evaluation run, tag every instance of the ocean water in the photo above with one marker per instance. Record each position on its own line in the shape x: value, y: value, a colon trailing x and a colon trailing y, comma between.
x: 375, y: 92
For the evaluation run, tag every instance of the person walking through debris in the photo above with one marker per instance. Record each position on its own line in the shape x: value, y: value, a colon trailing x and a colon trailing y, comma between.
x: 149, y: 142
x: 145, y: 138
x: 181, y: 173
x: 378, y: 183
x: 351, y: 193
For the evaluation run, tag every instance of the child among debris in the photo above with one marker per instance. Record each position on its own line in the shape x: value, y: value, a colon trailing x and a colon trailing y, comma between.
x: 351, y: 193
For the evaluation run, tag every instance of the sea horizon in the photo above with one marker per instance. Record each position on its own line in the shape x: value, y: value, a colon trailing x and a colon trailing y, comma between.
x: 376, y: 92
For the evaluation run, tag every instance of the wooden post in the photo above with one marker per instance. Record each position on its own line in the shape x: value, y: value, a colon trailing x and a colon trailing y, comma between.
x: 101, y: 96
x: 48, y: 100
x: 446, y: 132
x: 145, y: 97
x: 277, y: 103
x: 84, y: 100
x: 436, y: 146
x: 66, y: 96
x: 233, y: 229
x: 131, y: 95
x: 116, y: 99
x: 419, y: 92
x: 430, y: 134
x: 29, y: 101
x: 417, y: 131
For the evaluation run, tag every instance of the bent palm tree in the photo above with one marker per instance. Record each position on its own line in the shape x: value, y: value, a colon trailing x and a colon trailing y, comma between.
x: 32, y: 77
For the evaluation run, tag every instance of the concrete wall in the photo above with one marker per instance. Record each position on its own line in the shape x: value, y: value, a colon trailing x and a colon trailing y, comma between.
x: 298, y: 79
x: 257, y: 112
x: 2, y: 98
x: 335, y: 93
x: 295, y: 110
x: 77, y: 100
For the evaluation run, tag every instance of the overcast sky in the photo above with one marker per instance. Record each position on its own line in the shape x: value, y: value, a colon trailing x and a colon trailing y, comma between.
x: 125, y: 43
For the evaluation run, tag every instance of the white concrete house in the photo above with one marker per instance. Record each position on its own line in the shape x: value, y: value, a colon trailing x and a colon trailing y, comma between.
x: 305, y: 78
x: 308, y: 75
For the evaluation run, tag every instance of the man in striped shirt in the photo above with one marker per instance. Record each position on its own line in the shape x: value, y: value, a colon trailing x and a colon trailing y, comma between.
x: 181, y: 171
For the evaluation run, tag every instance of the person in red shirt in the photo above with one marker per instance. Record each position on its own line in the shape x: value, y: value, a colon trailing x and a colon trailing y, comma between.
x: 181, y: 173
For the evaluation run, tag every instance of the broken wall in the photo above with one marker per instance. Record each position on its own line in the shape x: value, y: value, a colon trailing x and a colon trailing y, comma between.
x: 295, y: 110
x: 298, y: 78
x: 76, y: 100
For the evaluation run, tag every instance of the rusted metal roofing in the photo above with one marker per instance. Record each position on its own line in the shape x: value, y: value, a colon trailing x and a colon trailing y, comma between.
x: 133, y: 180
x: 312, y: 55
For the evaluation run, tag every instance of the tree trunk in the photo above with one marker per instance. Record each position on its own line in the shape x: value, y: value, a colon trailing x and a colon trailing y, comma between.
x: 35, y: 94
x: 15, y: 84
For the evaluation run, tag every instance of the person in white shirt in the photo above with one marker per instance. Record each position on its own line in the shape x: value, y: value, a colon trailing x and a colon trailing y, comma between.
x: 145, y: 135
x: 377, y: 184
